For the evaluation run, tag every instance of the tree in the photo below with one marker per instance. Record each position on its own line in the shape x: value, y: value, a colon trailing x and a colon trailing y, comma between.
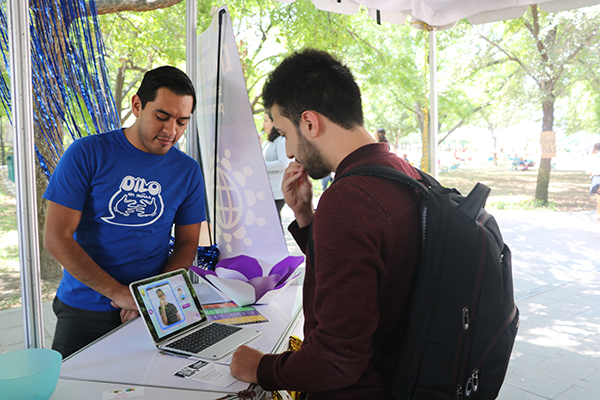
x: 47, y: 113
x: 391, y: 62
x: 544, y: 49
x: 135, y: 42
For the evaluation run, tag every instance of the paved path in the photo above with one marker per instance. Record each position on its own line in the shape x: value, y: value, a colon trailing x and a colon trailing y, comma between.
x: 557, y: 288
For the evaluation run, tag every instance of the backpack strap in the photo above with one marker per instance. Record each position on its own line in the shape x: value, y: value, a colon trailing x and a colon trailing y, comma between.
x: 471, y: 206
x: 382, y: 171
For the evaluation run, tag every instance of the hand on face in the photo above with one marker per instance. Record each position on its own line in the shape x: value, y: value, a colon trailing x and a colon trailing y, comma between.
x: 297, y: 192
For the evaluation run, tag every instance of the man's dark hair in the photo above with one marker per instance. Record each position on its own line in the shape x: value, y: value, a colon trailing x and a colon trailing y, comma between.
x: 168, y: 77
x: 314, y: 80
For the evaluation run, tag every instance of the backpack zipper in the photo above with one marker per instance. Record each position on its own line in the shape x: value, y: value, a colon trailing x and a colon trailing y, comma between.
x: 459, y: 350
x: 472, y: 311
x: 473, y: 382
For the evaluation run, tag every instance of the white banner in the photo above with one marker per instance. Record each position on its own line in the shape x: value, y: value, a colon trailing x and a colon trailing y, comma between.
x: 246, y: 217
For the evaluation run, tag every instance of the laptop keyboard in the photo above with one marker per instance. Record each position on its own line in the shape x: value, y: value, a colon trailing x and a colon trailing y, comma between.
x: 203, y: 338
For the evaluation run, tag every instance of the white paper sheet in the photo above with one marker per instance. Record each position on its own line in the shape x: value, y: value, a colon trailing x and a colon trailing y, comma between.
x: 207, y: 372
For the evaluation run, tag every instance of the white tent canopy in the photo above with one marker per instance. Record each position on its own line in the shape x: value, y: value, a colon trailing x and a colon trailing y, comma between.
x: 441, y: 13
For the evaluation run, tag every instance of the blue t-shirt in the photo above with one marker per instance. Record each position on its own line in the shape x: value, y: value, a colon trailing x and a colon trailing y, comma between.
x: 129, y: 201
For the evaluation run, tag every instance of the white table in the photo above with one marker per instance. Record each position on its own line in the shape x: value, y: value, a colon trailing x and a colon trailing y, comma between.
x: 126, y: 356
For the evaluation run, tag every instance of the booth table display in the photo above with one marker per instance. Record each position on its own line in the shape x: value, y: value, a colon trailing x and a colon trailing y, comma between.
x: 126, y: 357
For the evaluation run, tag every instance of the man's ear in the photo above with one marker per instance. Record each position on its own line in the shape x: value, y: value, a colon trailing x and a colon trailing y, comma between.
x: 312, y: 123
x: 136, y: 105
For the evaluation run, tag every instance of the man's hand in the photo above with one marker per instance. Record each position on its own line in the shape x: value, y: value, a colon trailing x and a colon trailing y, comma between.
x: 61, y: 223
x: 127, y: 315
x: 297, y: 192
x: 128, y: 307
x: 244, y: 364
x: 123, y: 299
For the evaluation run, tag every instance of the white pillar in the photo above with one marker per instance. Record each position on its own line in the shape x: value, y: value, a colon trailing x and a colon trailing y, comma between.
x: 190, y: 68
x: 22, y: 112
x: 191, y: 26
x: 433, y: 101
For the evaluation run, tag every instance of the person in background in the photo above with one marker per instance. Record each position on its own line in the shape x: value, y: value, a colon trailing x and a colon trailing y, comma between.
x: 381, y: 138
x: 325, y: 182
x: 276, y: 160
x: 593, y: 170
x: 366, y: 236
x: 113, y: 200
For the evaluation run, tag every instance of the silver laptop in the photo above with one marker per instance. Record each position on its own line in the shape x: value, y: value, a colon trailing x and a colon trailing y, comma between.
x: 176, y: 322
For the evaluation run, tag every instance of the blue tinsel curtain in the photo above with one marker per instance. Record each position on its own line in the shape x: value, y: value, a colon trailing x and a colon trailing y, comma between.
x: 72, y: 96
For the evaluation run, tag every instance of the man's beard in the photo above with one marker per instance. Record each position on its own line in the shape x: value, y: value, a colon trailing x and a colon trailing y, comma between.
x: 310, y: 158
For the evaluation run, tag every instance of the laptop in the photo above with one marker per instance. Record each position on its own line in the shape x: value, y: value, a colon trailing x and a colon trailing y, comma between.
x: 174, y: 317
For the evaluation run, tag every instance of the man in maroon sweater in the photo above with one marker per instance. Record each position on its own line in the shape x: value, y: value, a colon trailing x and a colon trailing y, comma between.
x: 365, y: 231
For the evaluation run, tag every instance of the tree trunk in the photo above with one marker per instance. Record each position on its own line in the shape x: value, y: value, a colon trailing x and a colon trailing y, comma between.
x: 543, y: 179
x: 118, y: 93
x: 43, y: 134
x: 2, y: 142
x: 422, y: 115
x: 49, y: 266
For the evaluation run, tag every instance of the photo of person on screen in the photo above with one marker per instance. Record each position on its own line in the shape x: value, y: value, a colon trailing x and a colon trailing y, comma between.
x: 169, y: 314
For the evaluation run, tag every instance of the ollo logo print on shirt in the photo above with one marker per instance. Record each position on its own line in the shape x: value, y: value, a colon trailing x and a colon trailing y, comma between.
x: 136, y: 203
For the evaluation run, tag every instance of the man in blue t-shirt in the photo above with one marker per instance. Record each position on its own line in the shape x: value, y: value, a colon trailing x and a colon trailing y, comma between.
x: 113, y: 200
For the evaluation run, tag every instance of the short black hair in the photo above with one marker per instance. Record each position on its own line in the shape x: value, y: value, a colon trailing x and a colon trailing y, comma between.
x: 268, y: 112
x: 314, y: 80
x: 168, y: 77
x: 381, y: 135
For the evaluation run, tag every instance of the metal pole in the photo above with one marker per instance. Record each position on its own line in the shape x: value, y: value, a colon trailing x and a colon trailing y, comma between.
x: 433, y: 115
x: 191, y: 25
x: 22, y: 109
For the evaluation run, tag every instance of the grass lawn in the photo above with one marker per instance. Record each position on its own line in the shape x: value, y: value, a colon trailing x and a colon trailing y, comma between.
x: 568, y: 190
x: 10, y: 284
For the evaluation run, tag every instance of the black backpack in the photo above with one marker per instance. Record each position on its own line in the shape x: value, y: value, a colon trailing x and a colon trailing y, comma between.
x: 463, y: 319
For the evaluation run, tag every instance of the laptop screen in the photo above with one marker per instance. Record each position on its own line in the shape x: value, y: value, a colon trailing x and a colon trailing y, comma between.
x: 168, y: 303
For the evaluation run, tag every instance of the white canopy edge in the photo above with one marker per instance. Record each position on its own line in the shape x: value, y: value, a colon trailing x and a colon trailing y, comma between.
x: 445, y: 13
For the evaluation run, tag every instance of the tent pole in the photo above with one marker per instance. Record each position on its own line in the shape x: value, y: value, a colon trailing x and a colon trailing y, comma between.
x: 433, y: 115
x: 22, y: 109
x: 192, y: 140
x: 191, y: 20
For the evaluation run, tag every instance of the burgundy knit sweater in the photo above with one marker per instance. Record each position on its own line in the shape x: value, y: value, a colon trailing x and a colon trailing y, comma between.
x: 366, y: 242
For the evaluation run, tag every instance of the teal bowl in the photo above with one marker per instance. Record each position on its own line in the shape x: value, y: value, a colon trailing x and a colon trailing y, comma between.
x: 29, y: 374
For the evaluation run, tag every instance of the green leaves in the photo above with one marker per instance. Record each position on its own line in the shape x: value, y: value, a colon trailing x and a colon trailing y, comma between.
x: 500, y: 69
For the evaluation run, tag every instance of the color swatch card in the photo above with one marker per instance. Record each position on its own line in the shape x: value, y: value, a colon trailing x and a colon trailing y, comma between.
x: 232, y: 314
